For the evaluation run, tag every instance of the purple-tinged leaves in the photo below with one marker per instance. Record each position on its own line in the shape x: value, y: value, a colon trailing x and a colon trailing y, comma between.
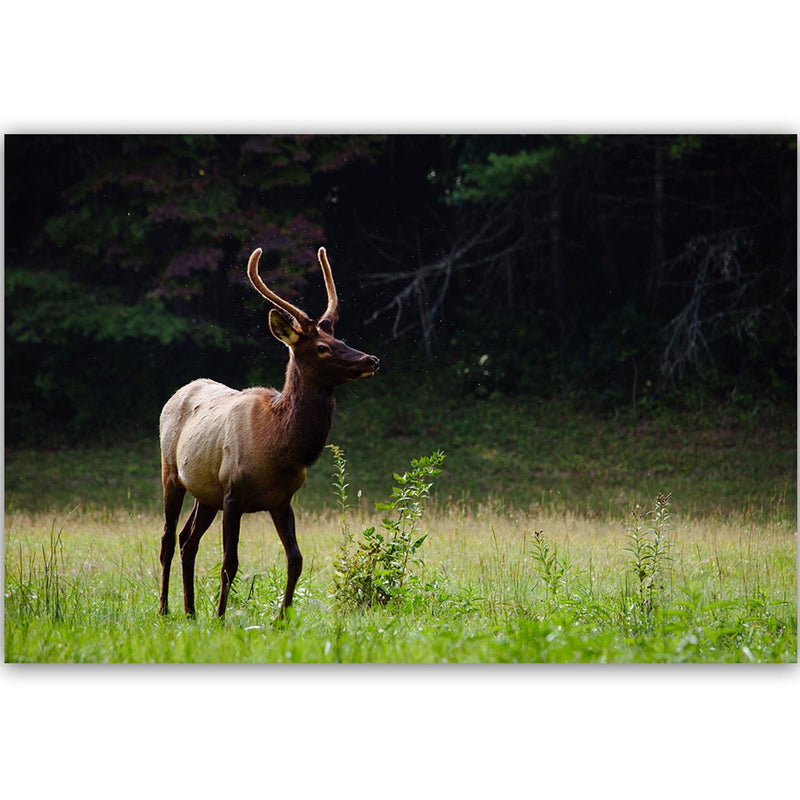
x: 202, y: 259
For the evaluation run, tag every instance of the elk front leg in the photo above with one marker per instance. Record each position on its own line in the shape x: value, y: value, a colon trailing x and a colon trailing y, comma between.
x: 231, y: 520
x: 283, y: 518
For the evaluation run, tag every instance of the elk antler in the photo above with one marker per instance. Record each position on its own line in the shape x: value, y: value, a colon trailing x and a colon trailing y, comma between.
x: 261, y: 288
x: 331, y: 312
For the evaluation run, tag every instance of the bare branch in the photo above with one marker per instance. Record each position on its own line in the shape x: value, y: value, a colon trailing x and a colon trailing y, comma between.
x: 427, y: 286
x: 718, y: 302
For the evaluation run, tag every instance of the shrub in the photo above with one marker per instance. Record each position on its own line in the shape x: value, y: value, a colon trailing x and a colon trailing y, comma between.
x: 375, y: 568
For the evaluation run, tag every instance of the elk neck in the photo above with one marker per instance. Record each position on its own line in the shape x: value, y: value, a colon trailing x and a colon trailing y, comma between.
x: 307, y: 412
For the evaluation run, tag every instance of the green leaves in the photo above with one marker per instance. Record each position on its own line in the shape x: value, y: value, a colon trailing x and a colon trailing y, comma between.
x: 55, y: 309
x: 340, y: 485
x: 501, y: 175
x: 376, y: 570
x: 552, y: 567
x: 649, y: 547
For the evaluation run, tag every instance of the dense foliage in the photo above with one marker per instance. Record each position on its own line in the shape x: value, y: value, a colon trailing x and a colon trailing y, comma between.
x: 609, y: 269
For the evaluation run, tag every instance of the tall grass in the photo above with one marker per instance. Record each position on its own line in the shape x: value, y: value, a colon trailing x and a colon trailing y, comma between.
x: 84, y: 587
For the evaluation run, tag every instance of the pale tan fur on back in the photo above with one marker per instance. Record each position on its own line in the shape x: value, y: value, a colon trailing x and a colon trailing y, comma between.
x: 214, y: 438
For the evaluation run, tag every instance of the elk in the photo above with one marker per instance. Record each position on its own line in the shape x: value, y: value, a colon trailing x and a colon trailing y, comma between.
x: 246, y: 451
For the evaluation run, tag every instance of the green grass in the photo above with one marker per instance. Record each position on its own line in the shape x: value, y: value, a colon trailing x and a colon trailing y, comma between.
x: 86, y: 589
x: 82, y: 531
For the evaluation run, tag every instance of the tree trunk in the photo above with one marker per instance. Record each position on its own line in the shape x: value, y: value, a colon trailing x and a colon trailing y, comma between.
x: 659, y: 248
x: 608, y: 263
x: 556, y: 252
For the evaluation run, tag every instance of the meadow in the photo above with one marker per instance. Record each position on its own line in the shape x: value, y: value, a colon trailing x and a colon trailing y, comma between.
x: 545, y: 542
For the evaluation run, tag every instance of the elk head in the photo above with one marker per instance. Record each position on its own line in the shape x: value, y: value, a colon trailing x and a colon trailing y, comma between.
x: 319, y: 356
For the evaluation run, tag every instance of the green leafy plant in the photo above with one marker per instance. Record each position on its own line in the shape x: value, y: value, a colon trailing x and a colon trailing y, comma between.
x: 375, y: 568
x: 649, y: 545
x: 551, y: 567
x: 340, y: 485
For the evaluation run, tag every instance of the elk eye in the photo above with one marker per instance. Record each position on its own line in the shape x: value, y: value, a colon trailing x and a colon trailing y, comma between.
x: 321, y: 348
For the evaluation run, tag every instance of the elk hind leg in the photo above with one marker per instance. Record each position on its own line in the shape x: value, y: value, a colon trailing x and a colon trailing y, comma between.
x: 174, y: 493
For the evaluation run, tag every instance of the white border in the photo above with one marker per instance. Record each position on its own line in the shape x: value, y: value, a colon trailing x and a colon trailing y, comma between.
x: 413, y: 67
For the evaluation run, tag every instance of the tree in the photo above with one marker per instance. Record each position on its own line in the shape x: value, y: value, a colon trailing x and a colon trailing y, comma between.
x: 138, y: 264
x: 626, y: 260
x: 605, y: 268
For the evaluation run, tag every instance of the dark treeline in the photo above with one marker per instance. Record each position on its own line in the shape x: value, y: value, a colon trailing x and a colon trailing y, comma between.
x: 605, y: 269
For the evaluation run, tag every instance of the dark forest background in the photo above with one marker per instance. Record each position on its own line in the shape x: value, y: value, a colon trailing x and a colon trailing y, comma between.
x: 606, y: 270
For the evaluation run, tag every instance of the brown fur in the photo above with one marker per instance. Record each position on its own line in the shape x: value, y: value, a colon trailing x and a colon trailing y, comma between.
x: 247, y: 451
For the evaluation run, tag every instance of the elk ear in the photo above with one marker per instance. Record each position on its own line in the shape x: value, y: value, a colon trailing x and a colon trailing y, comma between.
x: 282, y: 329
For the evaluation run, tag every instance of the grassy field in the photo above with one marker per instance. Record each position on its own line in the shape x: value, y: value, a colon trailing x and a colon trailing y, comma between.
x: 529, y: 555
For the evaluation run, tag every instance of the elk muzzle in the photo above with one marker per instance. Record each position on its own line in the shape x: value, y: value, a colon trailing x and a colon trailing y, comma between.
x: 373, y: 364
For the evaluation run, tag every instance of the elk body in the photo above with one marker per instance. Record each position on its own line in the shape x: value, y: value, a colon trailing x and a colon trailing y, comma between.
x: 247, y: 451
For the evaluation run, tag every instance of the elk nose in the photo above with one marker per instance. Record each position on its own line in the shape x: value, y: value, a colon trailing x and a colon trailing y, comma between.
x: 375, y: 361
